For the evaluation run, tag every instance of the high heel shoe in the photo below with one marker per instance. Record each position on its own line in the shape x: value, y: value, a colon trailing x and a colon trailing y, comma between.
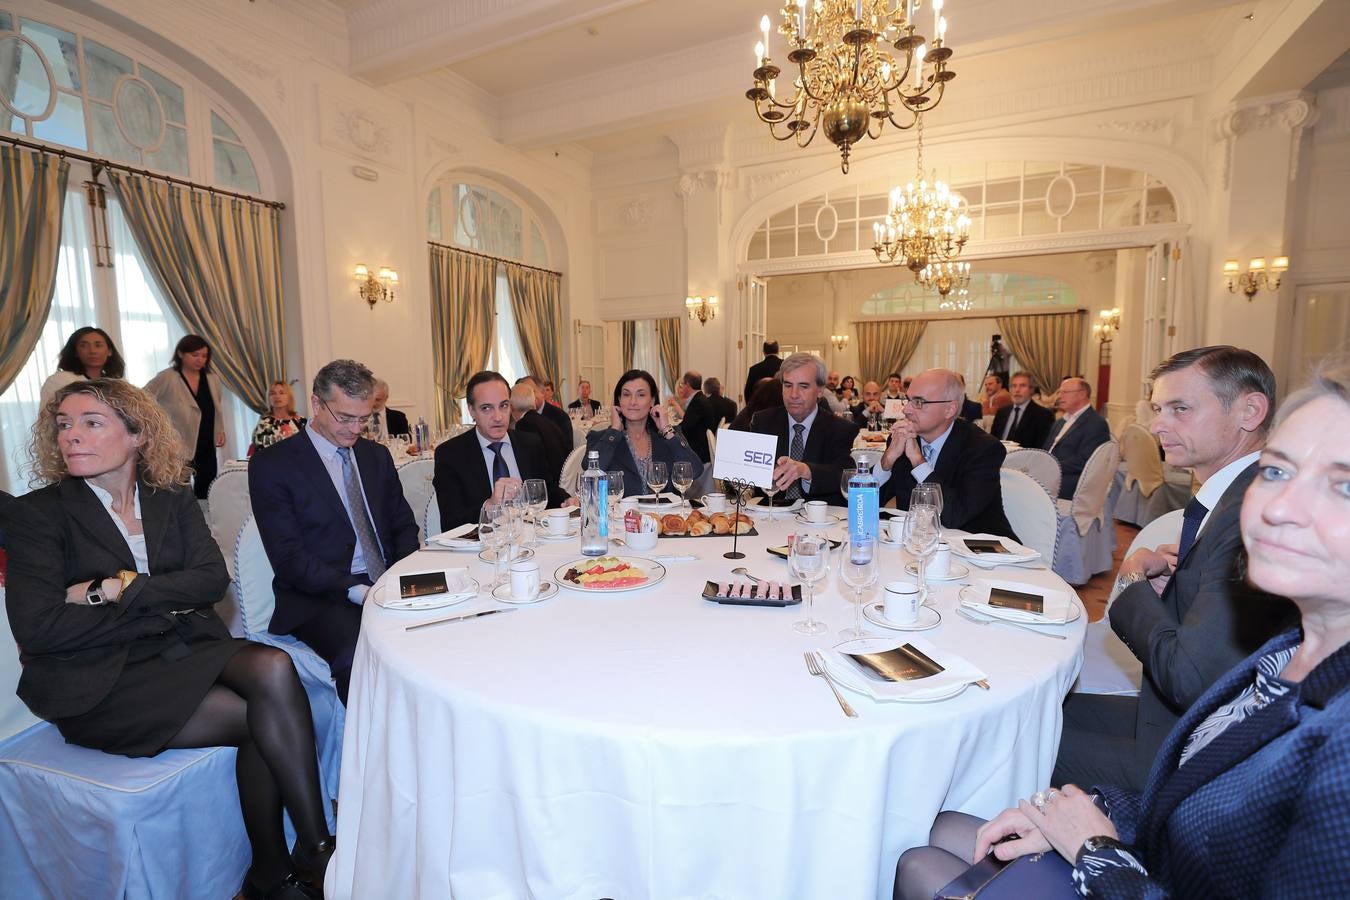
x: 288, y: 888
x: 310, y: 863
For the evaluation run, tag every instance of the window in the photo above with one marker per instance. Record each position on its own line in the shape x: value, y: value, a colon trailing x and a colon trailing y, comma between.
x: 962, y: 345
x: 647, y: 355
x: 988, y: 290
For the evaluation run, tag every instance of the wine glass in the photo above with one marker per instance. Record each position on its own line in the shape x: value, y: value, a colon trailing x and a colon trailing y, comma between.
x: 492, y: 533
x: 614, y: 487
x: 682, y: 476
x: 809, y: 557
x: 858, y: 567
x: 844, y: 478
x: 921, y: 539
x: 536, y: 499
x: 769, y: 490
x: 657, y: 476
x: 927, y: 494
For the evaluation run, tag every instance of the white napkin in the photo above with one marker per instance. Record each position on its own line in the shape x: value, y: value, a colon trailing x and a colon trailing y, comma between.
x: 957, y: 671
x: 453, y: 537
x: 1016, y: 552
x: 457, y: 579
x: 1059, y: 605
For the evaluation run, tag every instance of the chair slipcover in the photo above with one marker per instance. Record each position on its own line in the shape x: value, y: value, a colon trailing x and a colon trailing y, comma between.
x: 1039, y: 464
x: 227, y: 507
x: 1030, y: 511
x: 431, y: 516
x: 571, y: 470
x: 415, y: 477
x: 1087, y: 534
x: 1143, y: 465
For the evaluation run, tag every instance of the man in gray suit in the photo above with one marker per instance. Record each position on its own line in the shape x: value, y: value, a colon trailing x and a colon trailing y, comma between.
x: 1184, y: 610
x: 1080, y: 431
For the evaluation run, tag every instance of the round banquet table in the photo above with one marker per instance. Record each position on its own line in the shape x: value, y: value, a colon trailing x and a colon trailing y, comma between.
x: 652, y: 744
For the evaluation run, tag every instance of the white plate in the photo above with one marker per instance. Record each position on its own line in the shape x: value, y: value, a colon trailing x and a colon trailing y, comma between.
x: 450, y: 540
x: 655, y: 573
x: 779, y: 508
x: 1013, y: 615
x: 470, y: 591
x: 830, y: 519
x: 647, y: 504
x: 928, y: 618
x: 1016, y: 554
x: 489, y: 556
x: 956, y: 573
x: 957, y: 677
x: 545, y: 535
x: 502, y: 592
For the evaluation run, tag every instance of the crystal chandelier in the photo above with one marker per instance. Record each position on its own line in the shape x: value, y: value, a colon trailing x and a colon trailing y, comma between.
x: 860, y: 64
x: 926, y: 223
x: 944, y: 277
x: 958, y: 300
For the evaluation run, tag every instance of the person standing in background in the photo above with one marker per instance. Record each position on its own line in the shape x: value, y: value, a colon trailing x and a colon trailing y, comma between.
x: 190, y: 394
x: 88, y: 353
x: 765, y: 368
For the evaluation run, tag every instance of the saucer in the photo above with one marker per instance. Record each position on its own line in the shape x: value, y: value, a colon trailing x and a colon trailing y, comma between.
x: 955, y: 573
x: 490, y: 556
x: 546, y: 535
x: 928, y: 618
x: 502, y: 592
x: 830, y: 519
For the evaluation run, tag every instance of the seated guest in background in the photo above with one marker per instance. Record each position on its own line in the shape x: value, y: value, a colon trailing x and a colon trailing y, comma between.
x: 870, y: 409
x: 850, y: 401
x: 550, y: 411
x: 970, y: 409
x: 88, y: 353
x: 1248, y: 795
x: 995, y: 397
x: 765, y: 368
x: 490, y: 461
x: 190, y: 394
x: 1187, y: 613
x: 848, y: 383
x: 1023, y: 421
x: 931, y: 445
x: 723, y: 407
x: 895, y: 387
x: 550, y: 393
x: 639, y: 434
x: 698, y: 415
x: 384, y: 422
x: 1076, y: 434
x: 525, y: 419
x: 584, y: 402
x: 768, y: 395
x: 112, y: 578
x: 813, y: 449
x: 332, y: 517
x: 832, y: 381
x: 280, y: 421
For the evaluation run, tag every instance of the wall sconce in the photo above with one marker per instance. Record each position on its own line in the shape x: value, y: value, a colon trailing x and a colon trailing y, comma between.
x: 1250, y: 281
x: 1107, y: 326
x: 704, y: 309
x: 840, y: 341
x: 375, y: 287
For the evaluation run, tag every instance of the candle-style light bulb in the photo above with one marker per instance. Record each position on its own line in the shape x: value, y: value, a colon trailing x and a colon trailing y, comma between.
x: 937, y: 15
x: 918, y: 64
x: 764, y: 27
x: 942, y: 29
x: 801, y: 18
x: 759, y: 52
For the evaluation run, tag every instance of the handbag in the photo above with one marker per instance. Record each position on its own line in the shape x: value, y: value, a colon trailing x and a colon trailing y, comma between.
x: 1045, y: 876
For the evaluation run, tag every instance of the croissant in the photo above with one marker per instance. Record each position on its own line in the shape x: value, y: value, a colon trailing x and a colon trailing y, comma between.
x: 695, y: 516
x: 700, y: 528
x: 673, y: 524
x: 743, y: 524
x: 721, y: 524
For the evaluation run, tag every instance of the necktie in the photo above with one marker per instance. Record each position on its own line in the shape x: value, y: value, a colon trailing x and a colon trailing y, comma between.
x: 1190, y: 526
x: 1012, y: 423
x: 794, y: 491
x: 499, y: 468
x: 365, y: 533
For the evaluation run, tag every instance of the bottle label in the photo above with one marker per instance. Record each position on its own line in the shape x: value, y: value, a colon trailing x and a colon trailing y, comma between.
x: 863, y: 513
x: 602, y: 508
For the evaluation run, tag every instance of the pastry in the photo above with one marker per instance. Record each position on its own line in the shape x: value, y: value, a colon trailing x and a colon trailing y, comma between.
x: 673, y: 524
x: 699, y: 528
x: 721, y: 524
x: 744, y: 524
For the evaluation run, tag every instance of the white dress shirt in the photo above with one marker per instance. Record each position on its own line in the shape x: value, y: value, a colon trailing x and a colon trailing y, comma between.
x: 332, y: 463
x: 1212, y: 490
x: 135, y: 542
x: 508, y: 454
x: 1016, y: 413
x: 1069, y: 419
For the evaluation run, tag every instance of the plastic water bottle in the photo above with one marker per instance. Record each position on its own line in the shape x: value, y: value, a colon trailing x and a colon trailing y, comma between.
x: 593, y: 491
x: 864, y: 513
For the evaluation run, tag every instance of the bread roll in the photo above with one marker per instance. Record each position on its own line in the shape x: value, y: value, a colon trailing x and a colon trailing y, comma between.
x: 673, y: 524
x: 721, y: 524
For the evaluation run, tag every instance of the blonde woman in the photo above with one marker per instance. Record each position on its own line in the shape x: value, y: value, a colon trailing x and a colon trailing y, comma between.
x: 280, y: 421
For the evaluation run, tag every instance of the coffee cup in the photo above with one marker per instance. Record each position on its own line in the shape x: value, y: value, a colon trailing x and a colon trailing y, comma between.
x: 900, y: 603
x: 558, y: 521
x: 715, y: 502
x: 940, y: 565
x: 524, y: 579
x: 816, y: 510
x: 895, y: 529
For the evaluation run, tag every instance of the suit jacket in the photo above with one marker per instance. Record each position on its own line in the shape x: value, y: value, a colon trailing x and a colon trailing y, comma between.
x: 550, y: 439
x: 971, y: 410
x: 1088, y: 433
x: 397, y: 421
x: 697, y: 422
x: 563, y: 422
x: 1207, y: 620
x: 722, y: 408
x: 463, y: 481
x: 615, y: 455
x: 968, y: 470
x: 171, y: 392
x: 1032, y: 428
x: 305, y: 529
x: 765, y: 368
x: 592, y: 403
x: 826, y: 451
x: 1260, y: 811
x: 59, y: 535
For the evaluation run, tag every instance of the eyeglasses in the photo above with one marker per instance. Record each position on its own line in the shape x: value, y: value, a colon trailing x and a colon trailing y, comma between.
x: 919, y: 402
x: 342, y: 420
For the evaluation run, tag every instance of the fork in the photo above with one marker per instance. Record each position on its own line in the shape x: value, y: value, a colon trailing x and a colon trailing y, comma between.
x: 978, y: 620
x: 814, y: 666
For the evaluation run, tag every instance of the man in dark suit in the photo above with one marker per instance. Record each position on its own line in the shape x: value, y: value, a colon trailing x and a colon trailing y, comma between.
x: 1186, y: 611
x: 813, y: 446
x: 765, y: 368
x: 383, y: 420
x: 332, y: 517
x: 550, y: 411
x: 584, y: 401
x: 933, y: 446
x: 526, y: 420
x: 1025, y: 422
x: 698, y: 415
x: 723, y: 407
x: 490, y: 460
x: 1077, y: 433
x: 871, y: 407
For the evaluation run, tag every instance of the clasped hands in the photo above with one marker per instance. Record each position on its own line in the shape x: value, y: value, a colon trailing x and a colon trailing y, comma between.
x: 904, y: 439
x: 1157, y: 565
x: 789, y: 470
x: 1054, y: 819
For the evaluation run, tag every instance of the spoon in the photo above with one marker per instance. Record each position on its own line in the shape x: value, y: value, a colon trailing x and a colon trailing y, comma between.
x: 740, y: 570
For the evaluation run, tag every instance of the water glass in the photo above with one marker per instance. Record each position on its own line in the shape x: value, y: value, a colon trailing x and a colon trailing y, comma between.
x: 927, y: 494
x: 844, y: 478
x: 922, y: 533
x: 682, y: 476
x: 493, y: 533
x: 858, y: 568
x: 615, y: 489
x: 536, y: 499
x: 809, y: 557
x: 657, y: 476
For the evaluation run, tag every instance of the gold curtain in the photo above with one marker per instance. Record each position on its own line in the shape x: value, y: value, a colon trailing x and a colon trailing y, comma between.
x: 32, y: 198
x: 668, y: 340
x: 1048, y: 346
x: 463, y: 323
x: 885, y: 347
x: 537, y: 307
x: 218, y: 261
x: 629, y: 344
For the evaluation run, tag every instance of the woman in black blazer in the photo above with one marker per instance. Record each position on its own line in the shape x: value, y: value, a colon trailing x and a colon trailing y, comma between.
x: 639, y: 434
x: 112, y: 579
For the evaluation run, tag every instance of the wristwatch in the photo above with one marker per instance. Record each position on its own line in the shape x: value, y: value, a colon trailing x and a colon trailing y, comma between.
x: 126, y: 576
x: 94, y: 595
x: 1102, y: 842
x: 1124, y: 581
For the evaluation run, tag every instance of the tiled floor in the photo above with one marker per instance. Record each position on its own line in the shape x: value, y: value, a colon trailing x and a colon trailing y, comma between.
x: 1095, y: 592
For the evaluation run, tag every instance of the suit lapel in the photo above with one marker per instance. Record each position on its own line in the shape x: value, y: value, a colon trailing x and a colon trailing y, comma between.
x: 816, y: 437
x: 95, y: 521
x: 365, y: 451
x: 312, y: 466
x: 154, y: 521
x: 951, y: 451
x: 476, y: 463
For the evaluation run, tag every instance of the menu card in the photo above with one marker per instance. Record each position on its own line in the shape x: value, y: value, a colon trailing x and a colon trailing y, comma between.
x: 904, y: 663
x: 1005, y: 598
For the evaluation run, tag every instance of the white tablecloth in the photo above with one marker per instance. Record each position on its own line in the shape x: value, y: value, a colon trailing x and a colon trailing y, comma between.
x: 655, y: 745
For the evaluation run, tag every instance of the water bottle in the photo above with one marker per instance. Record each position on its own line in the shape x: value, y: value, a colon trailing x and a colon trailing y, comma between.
x: 421, y: 435
x: 864, y: 496
x: 593, y: 491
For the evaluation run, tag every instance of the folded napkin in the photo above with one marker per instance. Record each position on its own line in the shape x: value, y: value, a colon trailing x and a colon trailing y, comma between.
x: 957, y: 671
x: 462, y: 587
x: 1059, y: 606
x: 457, y: 537
x: 1016, y: 552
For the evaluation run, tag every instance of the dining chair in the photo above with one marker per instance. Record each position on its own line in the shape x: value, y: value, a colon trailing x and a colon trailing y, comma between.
x: 1037, y: 463
x: 227, y: 507
x: 571, y: 469
x: 1030, y: 511
x: 431, y: 516
x: 1086, y: 528
x: 415, y: 477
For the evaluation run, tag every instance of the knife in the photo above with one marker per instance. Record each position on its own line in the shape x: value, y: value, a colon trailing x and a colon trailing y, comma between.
x: 486, y: 612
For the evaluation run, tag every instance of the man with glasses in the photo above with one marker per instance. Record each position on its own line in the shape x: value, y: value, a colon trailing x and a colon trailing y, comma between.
x: 332, y: 517
x: 932, y: 445
x: 1080, y: 431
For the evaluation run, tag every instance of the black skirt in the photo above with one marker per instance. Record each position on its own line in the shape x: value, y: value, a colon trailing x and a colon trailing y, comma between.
x: 162, y: 684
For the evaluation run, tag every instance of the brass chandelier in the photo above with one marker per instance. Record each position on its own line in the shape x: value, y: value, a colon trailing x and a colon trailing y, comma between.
x: 860, y: 64
x: 944, y: 277
x: 925, y: 223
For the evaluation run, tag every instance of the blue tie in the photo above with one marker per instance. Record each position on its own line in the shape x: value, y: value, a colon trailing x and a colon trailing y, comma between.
x: 1190, y: 526
x: 365, y: 532
x: 499, y: 469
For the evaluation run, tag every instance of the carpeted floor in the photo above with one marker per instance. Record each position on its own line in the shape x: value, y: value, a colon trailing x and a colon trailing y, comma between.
x: 1095, y: 592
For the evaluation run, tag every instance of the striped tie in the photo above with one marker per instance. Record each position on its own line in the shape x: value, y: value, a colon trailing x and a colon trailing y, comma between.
x: 794, y: 491
x: 365, y: 533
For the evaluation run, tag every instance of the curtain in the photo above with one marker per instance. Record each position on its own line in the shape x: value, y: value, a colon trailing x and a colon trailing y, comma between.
x: 668, y: 340
x: 1048, y: 346
x: 537, y: 309
x: 629, y: 344
x: 462, y: 323
x: 32, y: 197
x: 218, y: 261
x: 885, y: 347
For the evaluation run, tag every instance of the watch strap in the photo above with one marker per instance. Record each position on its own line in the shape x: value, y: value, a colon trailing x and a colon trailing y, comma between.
x: 93, y: 595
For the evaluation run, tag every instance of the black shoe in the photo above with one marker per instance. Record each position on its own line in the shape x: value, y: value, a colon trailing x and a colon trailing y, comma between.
x: 311, y: 862
x: 288, y: 888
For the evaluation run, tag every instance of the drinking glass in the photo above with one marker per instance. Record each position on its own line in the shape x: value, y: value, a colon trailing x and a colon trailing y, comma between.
x: 492, y: 533
x: 809, y: 557
x: 657, y: 476
x: 536, y: 499
x: 682, y: 476
x: 927, y: 494
x: 769, y: 492
x: 858, y: 567
x: 615, y: 488
x: 844, y: 479
x: 921, y: 539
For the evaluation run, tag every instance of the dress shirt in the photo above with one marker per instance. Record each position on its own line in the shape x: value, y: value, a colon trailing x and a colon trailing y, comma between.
x: 332, y: 463
x: 1069, y: 419
x: 806, y: 436
x: 925, y: 468
x: 1212, y: 490
x: 135, y: 542
x: 507, y: 454
x: 1015, y: 418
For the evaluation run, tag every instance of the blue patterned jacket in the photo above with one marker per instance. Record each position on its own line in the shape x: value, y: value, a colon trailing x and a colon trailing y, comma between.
x: 1263, y: 810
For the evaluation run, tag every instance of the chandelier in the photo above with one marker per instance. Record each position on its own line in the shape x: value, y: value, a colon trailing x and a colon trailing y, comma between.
x: 926, y: 223
x: 958, y: 300
x: 860, y: 64
x: 944, y: 277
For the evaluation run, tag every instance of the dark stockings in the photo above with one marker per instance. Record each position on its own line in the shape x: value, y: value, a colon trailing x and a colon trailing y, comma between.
x: 259, y: 706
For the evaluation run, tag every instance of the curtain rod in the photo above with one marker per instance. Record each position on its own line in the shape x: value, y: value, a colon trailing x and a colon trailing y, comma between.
x: 513, y: 262
x: 921, y: 317
x: 109, y: 164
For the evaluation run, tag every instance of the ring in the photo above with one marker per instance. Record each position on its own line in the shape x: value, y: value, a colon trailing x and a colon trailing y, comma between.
x: 1052, y: 794
x: 1038, y: 800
